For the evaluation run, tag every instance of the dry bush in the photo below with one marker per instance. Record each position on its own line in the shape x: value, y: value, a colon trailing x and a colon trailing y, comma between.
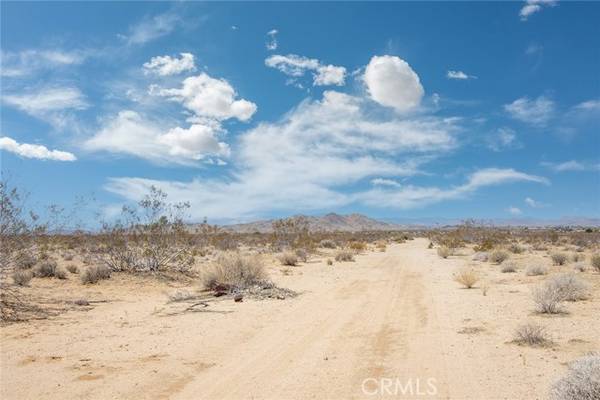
x: 576, y: 257
x: 509, y: 267
x: 579, y: 267
x: 25, y: 261
x: 381, y: 246
x: 444, y: 252
x: 570, y: 287
x: 595, y: 260
x: 536, y: 270
x: 22, y: 277
x: 329, y: 261
x: 467, y: 277
x: 235, y: 271
x: 68, y: 257
x: 532, y: 335
x: 547, y: 299
x: 46, y: 269
x: 357, y: 246
x: 72, y: 268
x: 327, y: 244
x: 95, y: 273
x: 288, y: 258
x: 481, y: 256
x: 559, y: 258
x: 582, y: 382
x: 498, y: 256
x: 302, y: 255
x: 180, y: 295
x: 516, y: 248
x: 344, y: 255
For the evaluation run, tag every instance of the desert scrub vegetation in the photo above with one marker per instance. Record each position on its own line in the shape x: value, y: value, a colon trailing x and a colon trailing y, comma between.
x: 559, y: 258
x: 444, y: 252
x: 357, y: 246
x: 49, y: 269
x: 467, y: 277
x: 327, y: 244
x: 582, y: 381
x: 595, y: 261
x: 570, y: 287
x: 531, y: 334
x: 72, y: 268
x: 498, y: 256
x: 516, y: 248
x: 95, y: 273
x: 302, y: 254
x: 22, y: 277
x: 288, y: 258
x: 508, y: 267
x: 344, y: 255
x: 536, y: 270
x: 547, y: 299
x: 234, y: 271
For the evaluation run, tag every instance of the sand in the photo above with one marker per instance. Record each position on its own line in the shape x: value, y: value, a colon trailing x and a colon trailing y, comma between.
x: 392, y: 324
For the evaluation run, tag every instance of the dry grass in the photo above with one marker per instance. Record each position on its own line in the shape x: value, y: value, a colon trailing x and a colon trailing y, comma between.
x: 536, y: 270
x: 444, y: 252
x: 72, y: 268
x: 22, y: 277
x: 357, y: 246
x: 559, y: 258
x: 235, y: 271
x: 288, y: 258
x: 344, y: 255
x: 516, y: 248
x: 582, y: 382
x: 49, y: 269
x: 467, y: 277
x: 95, y: 273
x: 532, y: 334
x: 509, y: 268
x: 498, y: 256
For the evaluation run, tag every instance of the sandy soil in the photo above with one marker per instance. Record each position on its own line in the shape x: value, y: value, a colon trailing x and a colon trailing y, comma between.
x: 391, y: 324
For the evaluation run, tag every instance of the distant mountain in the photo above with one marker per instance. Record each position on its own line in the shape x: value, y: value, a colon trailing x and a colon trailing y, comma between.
x: 433, y: 222
x: 327, y: 223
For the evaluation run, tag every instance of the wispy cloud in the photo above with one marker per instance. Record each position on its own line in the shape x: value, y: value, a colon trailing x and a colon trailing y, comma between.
x: 27, y: 62
x: 534, y: 6
x: 514, y: 210
x: 151, y: 28
x: 503, y: 139
x: 167, y: 65
x: 535, y: 112
x: 572, y: 166
x: 272, y: 43
x: 296, y: 66
x: 34, y: 150
x: 460, y: 75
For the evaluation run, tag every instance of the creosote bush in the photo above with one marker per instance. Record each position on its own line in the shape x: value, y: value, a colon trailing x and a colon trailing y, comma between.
x: 22, y: 277
x: 344, y: 255
x: 357, y: 246
x: 531, y: 334
x: 95, y: 273
x: 498, y: 256
x: 582, y: 382
x: 48, y: 269
x: 509, y: 267
x: 444, y: 252
x: 467, y: 277
x: 595, y: 260
x: 235, y: 271
x: 559, y: 258
x: 72, y: 268
x: 25, y: 261
x: 288, y: 258
x: 536, y: 270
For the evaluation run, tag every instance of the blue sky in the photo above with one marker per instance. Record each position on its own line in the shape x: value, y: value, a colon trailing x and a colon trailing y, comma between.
x: 252, y: 110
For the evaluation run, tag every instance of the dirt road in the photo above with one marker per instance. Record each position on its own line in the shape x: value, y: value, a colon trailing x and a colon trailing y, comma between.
x: 390, y: 325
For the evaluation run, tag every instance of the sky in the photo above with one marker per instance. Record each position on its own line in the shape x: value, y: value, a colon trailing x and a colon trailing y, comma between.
x: 258, y: 110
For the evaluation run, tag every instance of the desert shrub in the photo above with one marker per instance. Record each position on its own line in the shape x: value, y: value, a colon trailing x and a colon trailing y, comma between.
x: 381, y: 245
x: 595, y: 260
x: 532, y: 335
x: 327, y: 244
x: 481, y: 256
x: 576, y: 257
x: 570, y: 287
x: 95, y: 273
x: 288, y: 258
x: 536, y: 270
x: 235, y: 271
x: 579, y: 267
x: 444, y: 252
x: 559, y: 258
x: 484, y: 246
x: 498, y: 256
x: 25, y: 261
x: 302, y: 255
x: 72, y: 268
x: 430, y: 245
x: 582, y: 382
x: 344, y: 255
x: 329, y: 261
x: 22, y: 277
x: 509, y: 267
x: 547, y: 299
x: 357, y: 246
x: 68, y: 257
x: 516, y: 248
x: 46, y: 269
x: 467, y: 277
x: 60, y: 273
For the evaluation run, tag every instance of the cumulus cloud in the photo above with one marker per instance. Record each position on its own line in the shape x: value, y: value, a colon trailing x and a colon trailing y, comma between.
x: 391, y: 82
x: 34, y: 150
x: 296, y: 66
x: 459, y: 75
x: 502, y: 139
x: 533, y: 6
x: 210, y: 98
x: 137, y: 135
x: 272, y: 44
x: 167, y: 65
x: 535, y: 112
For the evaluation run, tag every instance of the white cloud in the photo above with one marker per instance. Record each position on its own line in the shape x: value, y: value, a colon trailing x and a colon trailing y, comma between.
x: 167, y: 65
x: 17, y: 64
x: 502, y: 139
x: 133, y: 134
x: 296, y: 66
x: 210, y: 98
x: 534, y: 203
x: 151, y: 28
x: 514, y: 210
x: 572, y: 166
x: 272, y: 44
x: 459, y: 75
x: 385, y: 182
x: 535, y: 112
x: 392, y: 82
x: 34, y: 150
x: 533, y: 6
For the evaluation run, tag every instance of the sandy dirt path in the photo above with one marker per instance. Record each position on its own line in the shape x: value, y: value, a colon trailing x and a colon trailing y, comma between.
x: 390, y: 325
